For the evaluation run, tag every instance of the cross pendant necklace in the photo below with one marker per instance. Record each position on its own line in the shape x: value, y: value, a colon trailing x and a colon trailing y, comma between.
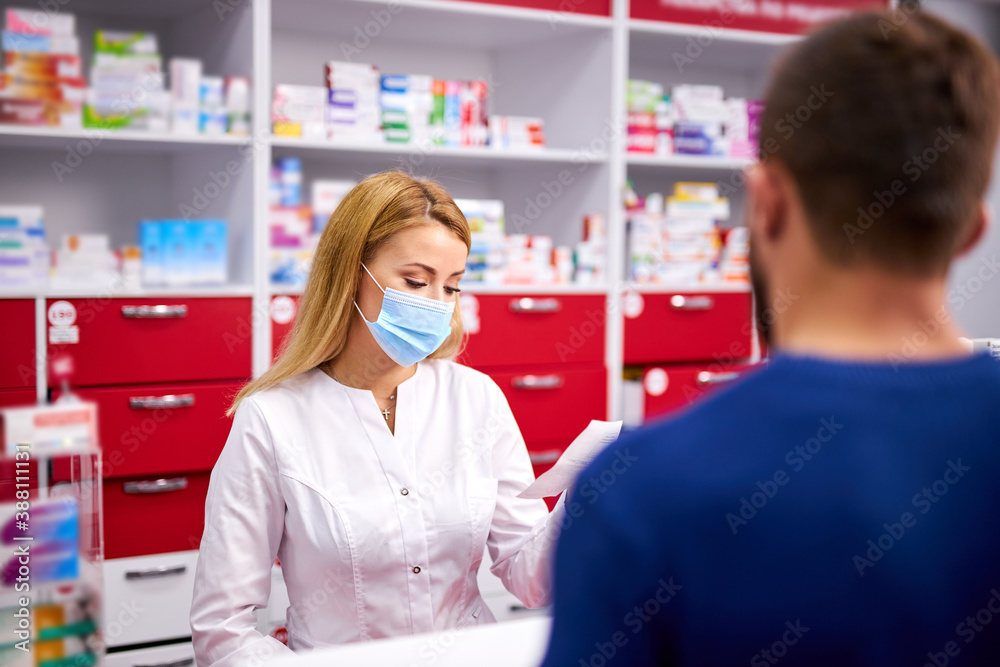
x: 385, y: 413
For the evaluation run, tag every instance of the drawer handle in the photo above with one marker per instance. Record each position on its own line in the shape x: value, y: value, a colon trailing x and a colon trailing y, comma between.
x: 548, y: 456
x: 537, y: 381
x: 517, y: 608
x: 155, y: 573
x: 157, y: 402
x: 154, y: 312
x: 681, y: 302
x: 529, y: 305
x: 183, y: 662
x: 155, y: 486
x: 706, y: 377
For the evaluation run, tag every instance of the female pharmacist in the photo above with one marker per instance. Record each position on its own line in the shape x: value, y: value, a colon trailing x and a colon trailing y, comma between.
x: 371, y: 465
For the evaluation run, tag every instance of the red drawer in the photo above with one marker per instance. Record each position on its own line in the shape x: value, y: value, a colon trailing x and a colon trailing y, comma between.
x: 559, y: 328
x: 121, y: 341
x: 689, y: 326
x: 154, y: 514
x: 555, y: 405
x: 669, y: 388
x: 283, y: 310
x: 17, y: 343
x: 161, y: 429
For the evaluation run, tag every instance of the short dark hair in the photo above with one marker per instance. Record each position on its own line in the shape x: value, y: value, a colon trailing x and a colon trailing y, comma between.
x: 887, y: 122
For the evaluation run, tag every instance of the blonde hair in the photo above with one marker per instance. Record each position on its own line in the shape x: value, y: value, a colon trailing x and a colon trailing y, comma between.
x: 366, y: 219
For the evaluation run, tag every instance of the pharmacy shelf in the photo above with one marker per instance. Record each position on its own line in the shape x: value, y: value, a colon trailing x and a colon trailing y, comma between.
x: 146, y: 292
x: 688, y: 162
x: 465, y: 24
x: 13, y: 136
x: 417, y: 155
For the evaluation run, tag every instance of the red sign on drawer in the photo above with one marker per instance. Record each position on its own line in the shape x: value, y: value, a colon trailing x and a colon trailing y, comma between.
x: 536, y: 329
x: 283, y: 310
x: 687, y: 327
x: 155, y: 514
x: 121, y: 341
x: 161, y: 429
x: 17, y: 343
x: 555, y: 405
x: 783, y: 16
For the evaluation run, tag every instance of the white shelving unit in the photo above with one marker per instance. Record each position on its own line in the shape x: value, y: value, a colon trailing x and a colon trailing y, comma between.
x: 568, y: 68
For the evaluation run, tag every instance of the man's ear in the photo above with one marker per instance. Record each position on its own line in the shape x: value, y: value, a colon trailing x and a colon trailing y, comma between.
x: 767, y: 194
x: 978, y: 231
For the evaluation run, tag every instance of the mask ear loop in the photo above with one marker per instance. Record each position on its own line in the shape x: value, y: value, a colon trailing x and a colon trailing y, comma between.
x: 371, y: 276
x: 376, y: 283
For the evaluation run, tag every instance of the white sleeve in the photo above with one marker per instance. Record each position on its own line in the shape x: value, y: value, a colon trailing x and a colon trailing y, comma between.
x: 244, y: 519
x: 523, y: 534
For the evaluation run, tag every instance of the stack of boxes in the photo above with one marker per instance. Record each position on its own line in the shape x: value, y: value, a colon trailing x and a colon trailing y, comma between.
x: 681, y: 243
x: 352, y: 99
x: 295, y: 228
x: 24, y: 255
x: 486, y: 254
x: 407, y: 102
x: 181, y: 253
x: 650, y: 120
x: 84, y: 260
x: 516, y: 132
x: 299, y: 111
x: 360, y: 105
x: 126, y: 83
x: 41, y: 83
x: 701, y: 116
x: 496, y: 258
x: 693, y: 120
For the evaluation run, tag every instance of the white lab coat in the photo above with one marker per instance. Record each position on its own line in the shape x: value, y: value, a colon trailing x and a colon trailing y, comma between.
x: 378, y: 535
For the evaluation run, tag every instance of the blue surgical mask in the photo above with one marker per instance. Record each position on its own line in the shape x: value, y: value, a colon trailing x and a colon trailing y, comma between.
x: 409, y: 328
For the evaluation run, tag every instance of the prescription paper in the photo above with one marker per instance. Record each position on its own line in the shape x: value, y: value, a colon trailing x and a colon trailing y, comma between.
x: 582, y: 451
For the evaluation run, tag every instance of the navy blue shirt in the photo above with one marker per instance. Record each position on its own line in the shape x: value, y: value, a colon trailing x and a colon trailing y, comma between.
x: 817, y: 513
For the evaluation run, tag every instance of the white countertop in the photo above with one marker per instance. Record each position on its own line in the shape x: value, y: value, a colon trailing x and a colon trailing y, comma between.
x: 520, y: 643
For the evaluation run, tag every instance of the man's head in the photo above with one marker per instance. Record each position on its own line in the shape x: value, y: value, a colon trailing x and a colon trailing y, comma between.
x: 876, y: 149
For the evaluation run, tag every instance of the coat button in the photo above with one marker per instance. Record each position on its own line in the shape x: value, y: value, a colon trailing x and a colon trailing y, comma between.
x: 416, y: 569
x: 405, y: 491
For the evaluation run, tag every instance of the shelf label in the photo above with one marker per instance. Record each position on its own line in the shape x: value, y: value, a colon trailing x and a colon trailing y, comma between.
x: 64, y: 335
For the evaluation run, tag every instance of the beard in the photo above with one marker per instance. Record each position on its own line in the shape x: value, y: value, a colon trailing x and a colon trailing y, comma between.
x: 763, y: 316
